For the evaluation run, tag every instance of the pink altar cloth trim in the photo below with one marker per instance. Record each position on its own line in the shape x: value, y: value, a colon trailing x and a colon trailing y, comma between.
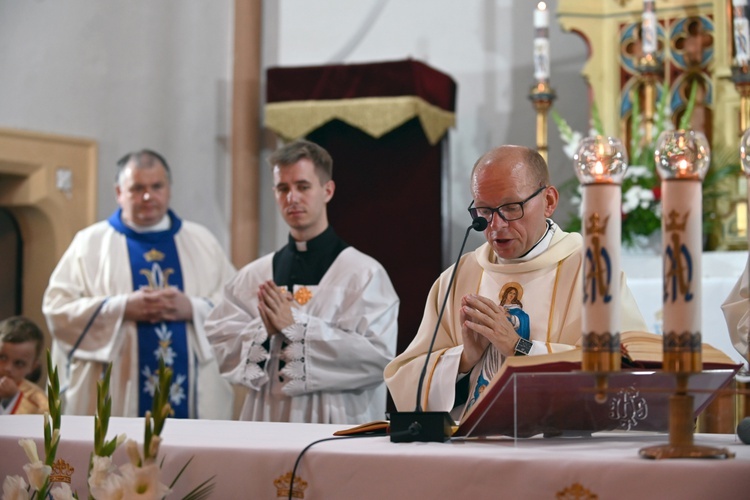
x: 251, y: 460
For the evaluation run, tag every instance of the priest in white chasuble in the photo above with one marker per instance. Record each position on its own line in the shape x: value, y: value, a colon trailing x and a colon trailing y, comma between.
x: 519, y: 294
x: 132, y: 290
x: 308, y: 329
x: 736, y: 309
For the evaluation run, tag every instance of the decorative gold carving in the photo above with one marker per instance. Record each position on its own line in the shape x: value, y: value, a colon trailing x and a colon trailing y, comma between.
x: 283, y: 484
x: 61, y: 472
x: 153, y: 255
x: 576, y: 491
x: 303, y: 295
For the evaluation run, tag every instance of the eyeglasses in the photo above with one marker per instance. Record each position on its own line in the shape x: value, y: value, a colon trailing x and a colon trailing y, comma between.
x: 508, y: 212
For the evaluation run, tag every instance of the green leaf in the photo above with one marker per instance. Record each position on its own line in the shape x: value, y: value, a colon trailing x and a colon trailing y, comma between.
x: 688, y: 114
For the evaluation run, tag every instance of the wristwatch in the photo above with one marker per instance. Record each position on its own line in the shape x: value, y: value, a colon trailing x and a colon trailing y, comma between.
x: 523, y: 347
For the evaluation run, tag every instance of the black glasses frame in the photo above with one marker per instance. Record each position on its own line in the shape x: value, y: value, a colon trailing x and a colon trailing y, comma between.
x: 473, y: 210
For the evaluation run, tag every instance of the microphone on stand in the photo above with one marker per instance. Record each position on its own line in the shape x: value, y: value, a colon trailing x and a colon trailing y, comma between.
x: 429, y: 426
x: 743, y: 430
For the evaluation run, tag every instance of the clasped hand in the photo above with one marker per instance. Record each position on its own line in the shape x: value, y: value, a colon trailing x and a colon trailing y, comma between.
x: 484, y: 322
x: 154, y: 306
x: 275, y: 307
x: 8, y: 388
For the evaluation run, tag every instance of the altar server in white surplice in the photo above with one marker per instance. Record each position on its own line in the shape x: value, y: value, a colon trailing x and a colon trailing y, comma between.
x: 307, y: 329
x: 133, y: 289
x: 518, y: 294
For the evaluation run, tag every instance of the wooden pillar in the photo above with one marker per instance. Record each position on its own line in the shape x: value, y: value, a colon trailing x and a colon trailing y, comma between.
x: 245, y: 141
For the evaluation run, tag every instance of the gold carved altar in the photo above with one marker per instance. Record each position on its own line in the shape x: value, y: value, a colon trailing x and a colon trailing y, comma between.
x: 695, y: 45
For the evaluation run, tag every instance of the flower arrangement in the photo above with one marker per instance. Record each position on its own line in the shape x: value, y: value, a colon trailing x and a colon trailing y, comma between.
x: 641, y: 186
x: 140, y: 478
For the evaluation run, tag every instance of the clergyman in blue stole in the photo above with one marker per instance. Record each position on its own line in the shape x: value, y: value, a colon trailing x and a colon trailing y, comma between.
x: 154, y: 264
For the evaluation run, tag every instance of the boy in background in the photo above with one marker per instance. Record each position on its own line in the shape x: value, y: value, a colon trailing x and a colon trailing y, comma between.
x: 21, y: 343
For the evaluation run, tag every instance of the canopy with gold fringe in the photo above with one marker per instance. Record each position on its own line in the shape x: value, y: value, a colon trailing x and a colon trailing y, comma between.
x: 375, y: 98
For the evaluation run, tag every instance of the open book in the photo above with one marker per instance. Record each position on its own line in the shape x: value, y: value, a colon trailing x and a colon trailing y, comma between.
x: 550, y: 394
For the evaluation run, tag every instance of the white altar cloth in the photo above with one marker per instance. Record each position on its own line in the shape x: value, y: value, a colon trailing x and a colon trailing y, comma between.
x: 247, y: 457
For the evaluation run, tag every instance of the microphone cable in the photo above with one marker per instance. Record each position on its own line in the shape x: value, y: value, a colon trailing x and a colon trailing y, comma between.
x: 304, y: 450
x: 478, y: 224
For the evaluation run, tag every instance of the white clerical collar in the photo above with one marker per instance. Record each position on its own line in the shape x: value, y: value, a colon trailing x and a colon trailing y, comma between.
x: 162, y: 225
x: 301, y: 246
x: 538, y: 249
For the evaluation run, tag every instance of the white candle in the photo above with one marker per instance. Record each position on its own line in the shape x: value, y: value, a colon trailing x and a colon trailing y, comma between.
x: 648, y: 28
x: 741, y: 33
x: 541, y: 43
x: 602, y: 222
x: 600, y: 167
x: 682, y: 159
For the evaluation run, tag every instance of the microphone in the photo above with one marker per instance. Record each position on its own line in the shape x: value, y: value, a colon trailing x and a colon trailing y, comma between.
x: 743, y: 430
x: 430, y: 426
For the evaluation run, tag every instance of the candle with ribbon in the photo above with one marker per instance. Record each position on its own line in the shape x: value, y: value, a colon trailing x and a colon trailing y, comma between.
x: 541, y: 43
x: 648, y: 28
x: 741, y: 33
x: 600, y: 165
x: 682, y: 159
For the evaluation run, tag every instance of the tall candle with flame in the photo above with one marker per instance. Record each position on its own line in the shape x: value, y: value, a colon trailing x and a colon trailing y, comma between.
x: 600, y: 165
x: 541, y: 43
x: 648, y: 28
x: 741, y: 33
x: 682, y: 159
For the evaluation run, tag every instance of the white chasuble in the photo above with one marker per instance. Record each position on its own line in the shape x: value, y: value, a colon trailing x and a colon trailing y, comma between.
x: 94, y: 275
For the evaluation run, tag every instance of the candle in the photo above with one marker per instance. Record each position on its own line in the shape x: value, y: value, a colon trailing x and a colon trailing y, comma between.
x: 648, y: 28
x: 541, y: 43
x: 682, y: 159
x: 600, y: 167
x: 741, y: 33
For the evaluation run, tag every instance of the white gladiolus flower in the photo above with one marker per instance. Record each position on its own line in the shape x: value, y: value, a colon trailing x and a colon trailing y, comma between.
x: 101, y: 469
x: 636, y: 197
x: 37, y: 474
x: 29, y: 446
x: 36, y: 471
x: 142, y: 482
x: 131, y: 447
x: 109, y: 487
x: 62, y: 492
x: 637, y: 172
x: 14, y: 488
x: 571, y: 148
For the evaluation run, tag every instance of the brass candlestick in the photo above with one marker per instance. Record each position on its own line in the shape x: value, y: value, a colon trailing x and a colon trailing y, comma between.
x: 650, y: 70
x: 741, y: 79
x: 682, y: 159
x: 542, y: 96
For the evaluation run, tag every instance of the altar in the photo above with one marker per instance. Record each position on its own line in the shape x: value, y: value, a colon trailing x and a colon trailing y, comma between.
x: 255, y: 459
x: 720, y: 272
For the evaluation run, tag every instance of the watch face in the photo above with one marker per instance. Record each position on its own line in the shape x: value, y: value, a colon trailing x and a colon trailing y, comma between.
x: 523, y: 347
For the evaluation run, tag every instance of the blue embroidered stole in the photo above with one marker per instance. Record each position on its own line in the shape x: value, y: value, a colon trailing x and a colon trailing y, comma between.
x: 155, y: 264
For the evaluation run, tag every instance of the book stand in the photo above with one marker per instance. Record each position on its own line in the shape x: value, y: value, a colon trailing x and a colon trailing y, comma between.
x: 564, y: 402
